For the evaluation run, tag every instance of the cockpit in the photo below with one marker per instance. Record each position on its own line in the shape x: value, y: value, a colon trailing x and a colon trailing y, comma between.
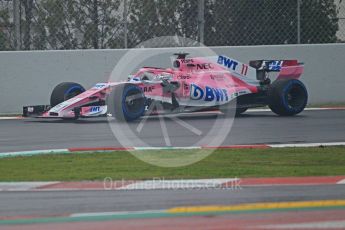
x: 150, y: 76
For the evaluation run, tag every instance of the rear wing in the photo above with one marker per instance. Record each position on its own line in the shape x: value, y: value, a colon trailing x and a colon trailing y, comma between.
x: 257, y: 70
x: 286, y: 68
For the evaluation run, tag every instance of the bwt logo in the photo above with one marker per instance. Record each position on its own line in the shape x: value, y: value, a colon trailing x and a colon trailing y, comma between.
x: 95, y: 109
x: 209, y: 94
x: 227, y: 62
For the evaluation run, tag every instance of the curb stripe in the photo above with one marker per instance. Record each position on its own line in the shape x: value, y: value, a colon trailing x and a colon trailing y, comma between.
x: 341, y: 181
x: 22, y: 186
x: 180, y: 184
x: 111, y: 149
x: 167, y: 148
x: 155, y: 184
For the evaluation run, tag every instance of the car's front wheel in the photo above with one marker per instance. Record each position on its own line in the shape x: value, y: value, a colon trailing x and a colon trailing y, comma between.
x: 126, y: 102
x: 64, y: 91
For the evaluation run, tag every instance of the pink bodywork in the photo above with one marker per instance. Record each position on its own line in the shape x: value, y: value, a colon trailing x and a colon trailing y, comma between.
x: 202, y: 82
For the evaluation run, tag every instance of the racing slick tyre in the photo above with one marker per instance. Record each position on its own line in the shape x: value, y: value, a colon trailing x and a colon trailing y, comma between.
x: 287, y: 97
x: 126, y: 102
x: 64, y: 91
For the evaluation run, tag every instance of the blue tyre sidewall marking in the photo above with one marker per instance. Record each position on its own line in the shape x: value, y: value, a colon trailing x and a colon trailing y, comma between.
x: 73, y: 88
x: 126, y: 114
x: 285, y: 95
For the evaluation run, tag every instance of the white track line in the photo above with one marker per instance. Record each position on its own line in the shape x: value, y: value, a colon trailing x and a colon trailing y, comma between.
x: 307, y: 144
x: 10, y: 118
x: 333, y: 224
x: 33, y: 152
x: 306, y: 109
x: 94, y: 214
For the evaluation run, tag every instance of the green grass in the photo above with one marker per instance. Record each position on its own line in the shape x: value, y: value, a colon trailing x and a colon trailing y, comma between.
x: 220, y: 164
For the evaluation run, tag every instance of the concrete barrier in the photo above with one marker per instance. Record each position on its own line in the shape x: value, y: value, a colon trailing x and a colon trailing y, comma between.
x: 28, y: 77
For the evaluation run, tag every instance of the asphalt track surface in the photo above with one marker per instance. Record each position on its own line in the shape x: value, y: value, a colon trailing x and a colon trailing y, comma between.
x: 64, y: 202
x: 250, y: 128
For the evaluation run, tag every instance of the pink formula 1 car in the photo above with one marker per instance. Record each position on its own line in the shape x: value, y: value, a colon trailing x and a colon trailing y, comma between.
x: 193, y: 84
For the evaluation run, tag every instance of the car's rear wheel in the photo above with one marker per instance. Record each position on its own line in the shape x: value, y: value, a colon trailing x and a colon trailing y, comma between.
x: 287, y: 97
x: 126, y: 102
x: 64, y: 91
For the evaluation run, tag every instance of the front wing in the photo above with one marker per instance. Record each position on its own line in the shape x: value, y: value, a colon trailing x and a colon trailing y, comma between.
x: 42, y: 111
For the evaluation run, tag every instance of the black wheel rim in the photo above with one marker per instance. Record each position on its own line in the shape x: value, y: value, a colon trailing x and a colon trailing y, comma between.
x: 296, y: 97
x: 134, y: 102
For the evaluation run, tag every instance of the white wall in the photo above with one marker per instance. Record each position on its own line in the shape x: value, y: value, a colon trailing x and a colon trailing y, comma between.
x: 28, y: 77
